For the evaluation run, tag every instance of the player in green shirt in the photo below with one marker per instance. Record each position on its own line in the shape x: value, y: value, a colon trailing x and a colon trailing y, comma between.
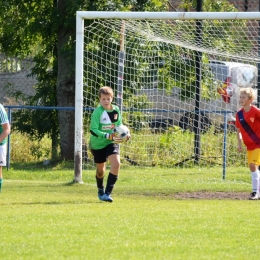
x: 103, y: 143
x: 4, y: 132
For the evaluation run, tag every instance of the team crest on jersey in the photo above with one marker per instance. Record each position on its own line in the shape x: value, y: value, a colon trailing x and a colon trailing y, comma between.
x: 115, y: 116
x: 252, y: 119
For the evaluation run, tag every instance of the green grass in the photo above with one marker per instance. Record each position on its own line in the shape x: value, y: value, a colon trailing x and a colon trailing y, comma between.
x: 45, y: 216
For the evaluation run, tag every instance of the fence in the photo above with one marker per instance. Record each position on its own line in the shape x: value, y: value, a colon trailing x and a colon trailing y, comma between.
x: 225, y: 129
x: 9, y: 112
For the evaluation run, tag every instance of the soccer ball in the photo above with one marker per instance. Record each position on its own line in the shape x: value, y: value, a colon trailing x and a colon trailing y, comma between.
x: 122, y: 132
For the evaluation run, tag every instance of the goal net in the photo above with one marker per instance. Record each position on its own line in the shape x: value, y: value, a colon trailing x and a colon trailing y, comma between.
x: 176, y: 78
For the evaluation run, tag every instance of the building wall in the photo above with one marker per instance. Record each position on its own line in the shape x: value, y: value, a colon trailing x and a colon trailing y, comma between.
x: 18, y: 82
x: 15, y: 78
x: 246, y: 5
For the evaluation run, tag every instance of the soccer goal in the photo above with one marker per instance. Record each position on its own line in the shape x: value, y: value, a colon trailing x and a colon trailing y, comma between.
x: 176, y: 78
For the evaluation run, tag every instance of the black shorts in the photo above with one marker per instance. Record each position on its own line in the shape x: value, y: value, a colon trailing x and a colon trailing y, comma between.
x: 100, y: 155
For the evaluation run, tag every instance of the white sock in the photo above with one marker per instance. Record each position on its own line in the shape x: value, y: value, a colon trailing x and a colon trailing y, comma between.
x: 255, y: 181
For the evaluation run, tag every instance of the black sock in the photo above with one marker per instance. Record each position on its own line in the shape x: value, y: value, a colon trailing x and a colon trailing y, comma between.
x: 100, y: 182
x: 111, y: 180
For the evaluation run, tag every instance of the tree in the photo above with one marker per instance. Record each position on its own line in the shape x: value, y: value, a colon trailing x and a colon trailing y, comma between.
x: 208, y: 5
x: 45, y: 29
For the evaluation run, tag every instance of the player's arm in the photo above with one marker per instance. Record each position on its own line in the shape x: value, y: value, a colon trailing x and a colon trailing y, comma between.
x: 6, y: 131
x: 239, y: 140
x: 239, y: 135
x: 94, y: 125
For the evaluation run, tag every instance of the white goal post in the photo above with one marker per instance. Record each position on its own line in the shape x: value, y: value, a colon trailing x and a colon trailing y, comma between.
x: 155, y: 31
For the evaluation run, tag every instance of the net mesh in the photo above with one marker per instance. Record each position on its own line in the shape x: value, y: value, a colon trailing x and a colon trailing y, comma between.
x: 160, y: 76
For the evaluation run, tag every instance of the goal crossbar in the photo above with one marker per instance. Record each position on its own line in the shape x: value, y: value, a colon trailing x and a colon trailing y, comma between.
x: 169, y: 15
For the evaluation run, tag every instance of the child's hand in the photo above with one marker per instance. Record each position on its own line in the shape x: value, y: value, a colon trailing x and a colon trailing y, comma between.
x: 113, y: 138
x: 110, y: 136
x: 117, y: 140
x: 239, y: 148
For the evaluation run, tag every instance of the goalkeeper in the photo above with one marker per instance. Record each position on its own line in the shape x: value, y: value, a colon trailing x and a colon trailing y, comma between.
x: 4, y: 132
x: 103, y: 143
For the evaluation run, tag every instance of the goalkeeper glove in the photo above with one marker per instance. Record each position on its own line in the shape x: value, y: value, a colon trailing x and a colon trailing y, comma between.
x: 113, y: 138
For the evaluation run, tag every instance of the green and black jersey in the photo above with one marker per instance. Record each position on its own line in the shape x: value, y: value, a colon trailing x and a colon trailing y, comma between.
x: 103, y: 122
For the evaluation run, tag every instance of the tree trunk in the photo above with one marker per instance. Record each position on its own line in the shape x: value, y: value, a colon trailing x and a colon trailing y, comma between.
x: 65, y: 91
x: 66, y: 98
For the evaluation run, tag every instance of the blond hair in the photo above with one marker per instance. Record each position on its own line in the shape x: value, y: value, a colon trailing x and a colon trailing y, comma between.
x: 248, y: 91
x: 106, y: 91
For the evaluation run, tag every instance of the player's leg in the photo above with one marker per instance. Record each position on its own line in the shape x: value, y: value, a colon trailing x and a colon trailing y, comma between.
x: 2, y: 163
x: 100, y: 173
x: 100, y: 160
x: 1, y: 178
x: 113, y: 152
x: 254, y: 161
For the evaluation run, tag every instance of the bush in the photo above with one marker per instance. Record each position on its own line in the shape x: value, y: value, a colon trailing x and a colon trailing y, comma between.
x: 24, y: 149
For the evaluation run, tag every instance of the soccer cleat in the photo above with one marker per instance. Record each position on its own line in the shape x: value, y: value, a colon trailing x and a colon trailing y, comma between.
x: 254, y: 196
x: 107, y: 198
x: 100, y: 193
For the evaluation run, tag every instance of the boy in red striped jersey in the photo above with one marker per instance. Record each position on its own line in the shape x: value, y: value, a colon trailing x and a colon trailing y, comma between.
x: 248, y: 130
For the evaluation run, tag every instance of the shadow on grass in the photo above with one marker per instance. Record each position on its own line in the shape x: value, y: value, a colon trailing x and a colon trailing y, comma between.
x: 52, y: 203
x: 31, y: 166
x: 73, y: 183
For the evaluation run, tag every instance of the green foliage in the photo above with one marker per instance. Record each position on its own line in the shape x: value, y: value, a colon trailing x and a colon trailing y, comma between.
x: 175, y: 148
x: 224, y: 37
x: 46, y: 31
x: 209, y: 5
x: 133, y: 115
x: 24, y: 25
x: 146, y: 148
x: 25, y: 149
x: 37, y: 123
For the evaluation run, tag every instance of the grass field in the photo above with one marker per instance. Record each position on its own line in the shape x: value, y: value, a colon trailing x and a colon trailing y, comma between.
x: 45, y: 216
